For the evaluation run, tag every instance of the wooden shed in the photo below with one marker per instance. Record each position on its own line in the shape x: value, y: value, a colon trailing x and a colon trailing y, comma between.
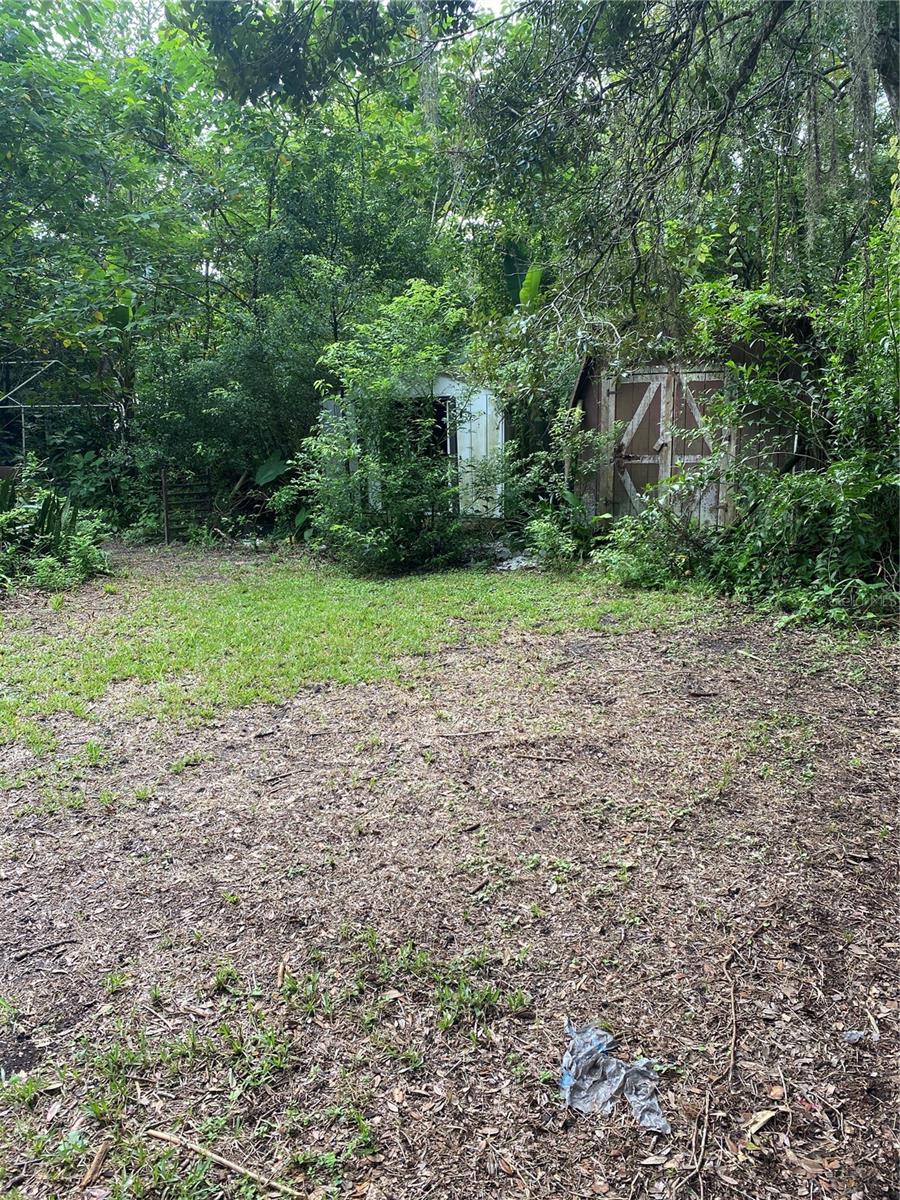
x: 660, y: 409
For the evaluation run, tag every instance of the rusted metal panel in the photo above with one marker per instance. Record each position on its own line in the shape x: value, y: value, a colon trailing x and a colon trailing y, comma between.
x: 185, y: 500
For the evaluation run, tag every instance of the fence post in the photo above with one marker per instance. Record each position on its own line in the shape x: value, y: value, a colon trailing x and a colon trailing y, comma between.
x: 165, y: 506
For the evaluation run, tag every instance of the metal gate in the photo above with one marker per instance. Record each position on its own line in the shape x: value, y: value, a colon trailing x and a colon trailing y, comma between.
x: 186, y: 501
x: 660, y: 411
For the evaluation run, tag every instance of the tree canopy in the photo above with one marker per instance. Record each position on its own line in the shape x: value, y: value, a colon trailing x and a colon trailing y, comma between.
x: 202, y: 200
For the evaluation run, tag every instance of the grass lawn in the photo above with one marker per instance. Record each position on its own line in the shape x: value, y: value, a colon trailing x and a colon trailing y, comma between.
x: 302, y: 876
x: 235, y: 633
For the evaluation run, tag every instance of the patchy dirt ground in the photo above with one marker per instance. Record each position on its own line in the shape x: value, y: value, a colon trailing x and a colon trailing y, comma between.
x: 335, y: 941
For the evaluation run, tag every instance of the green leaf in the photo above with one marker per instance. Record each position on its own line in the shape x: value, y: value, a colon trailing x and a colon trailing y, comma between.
x: 531, y: 286
x: 270, y: 469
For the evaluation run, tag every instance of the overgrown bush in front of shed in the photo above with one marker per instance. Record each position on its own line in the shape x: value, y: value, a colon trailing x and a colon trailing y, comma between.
x: 558, y: 527
x: 527, y: 359
x: 44, y: 539
x: 659, y: 549
x: 819, y: 543
x: 384, y: 494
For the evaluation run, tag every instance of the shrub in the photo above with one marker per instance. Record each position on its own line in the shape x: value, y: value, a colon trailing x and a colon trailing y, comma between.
x: 815, y: 543
x: 43, y: 537
x: 291, y: 508
x: 146, y: 529
x: 819, y: 543
x: 658, y: 549
x: 544, y: 491
x: 546, y: 538
x: 384, y: 494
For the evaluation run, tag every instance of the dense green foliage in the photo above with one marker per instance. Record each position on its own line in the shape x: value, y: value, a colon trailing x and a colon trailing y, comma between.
x: 43, y: 537
x: 248, y: 235
x: 383, y: 488
x: 185, y: 259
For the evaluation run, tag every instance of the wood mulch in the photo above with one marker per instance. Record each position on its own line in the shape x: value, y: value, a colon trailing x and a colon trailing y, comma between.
x: 687, y: 835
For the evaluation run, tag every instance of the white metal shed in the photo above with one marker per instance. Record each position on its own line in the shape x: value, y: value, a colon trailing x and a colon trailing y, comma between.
x: 474, y: 433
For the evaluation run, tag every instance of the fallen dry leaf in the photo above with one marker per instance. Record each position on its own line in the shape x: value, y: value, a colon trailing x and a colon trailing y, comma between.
x: 762, y: 1118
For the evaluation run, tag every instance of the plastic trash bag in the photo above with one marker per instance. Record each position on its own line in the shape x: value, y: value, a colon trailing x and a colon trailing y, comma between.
x: 593, y: 1080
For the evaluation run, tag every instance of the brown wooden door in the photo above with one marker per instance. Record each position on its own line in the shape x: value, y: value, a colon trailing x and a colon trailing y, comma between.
x: 689, y: 447
x: 639, y: 404
x: 660, y: 411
